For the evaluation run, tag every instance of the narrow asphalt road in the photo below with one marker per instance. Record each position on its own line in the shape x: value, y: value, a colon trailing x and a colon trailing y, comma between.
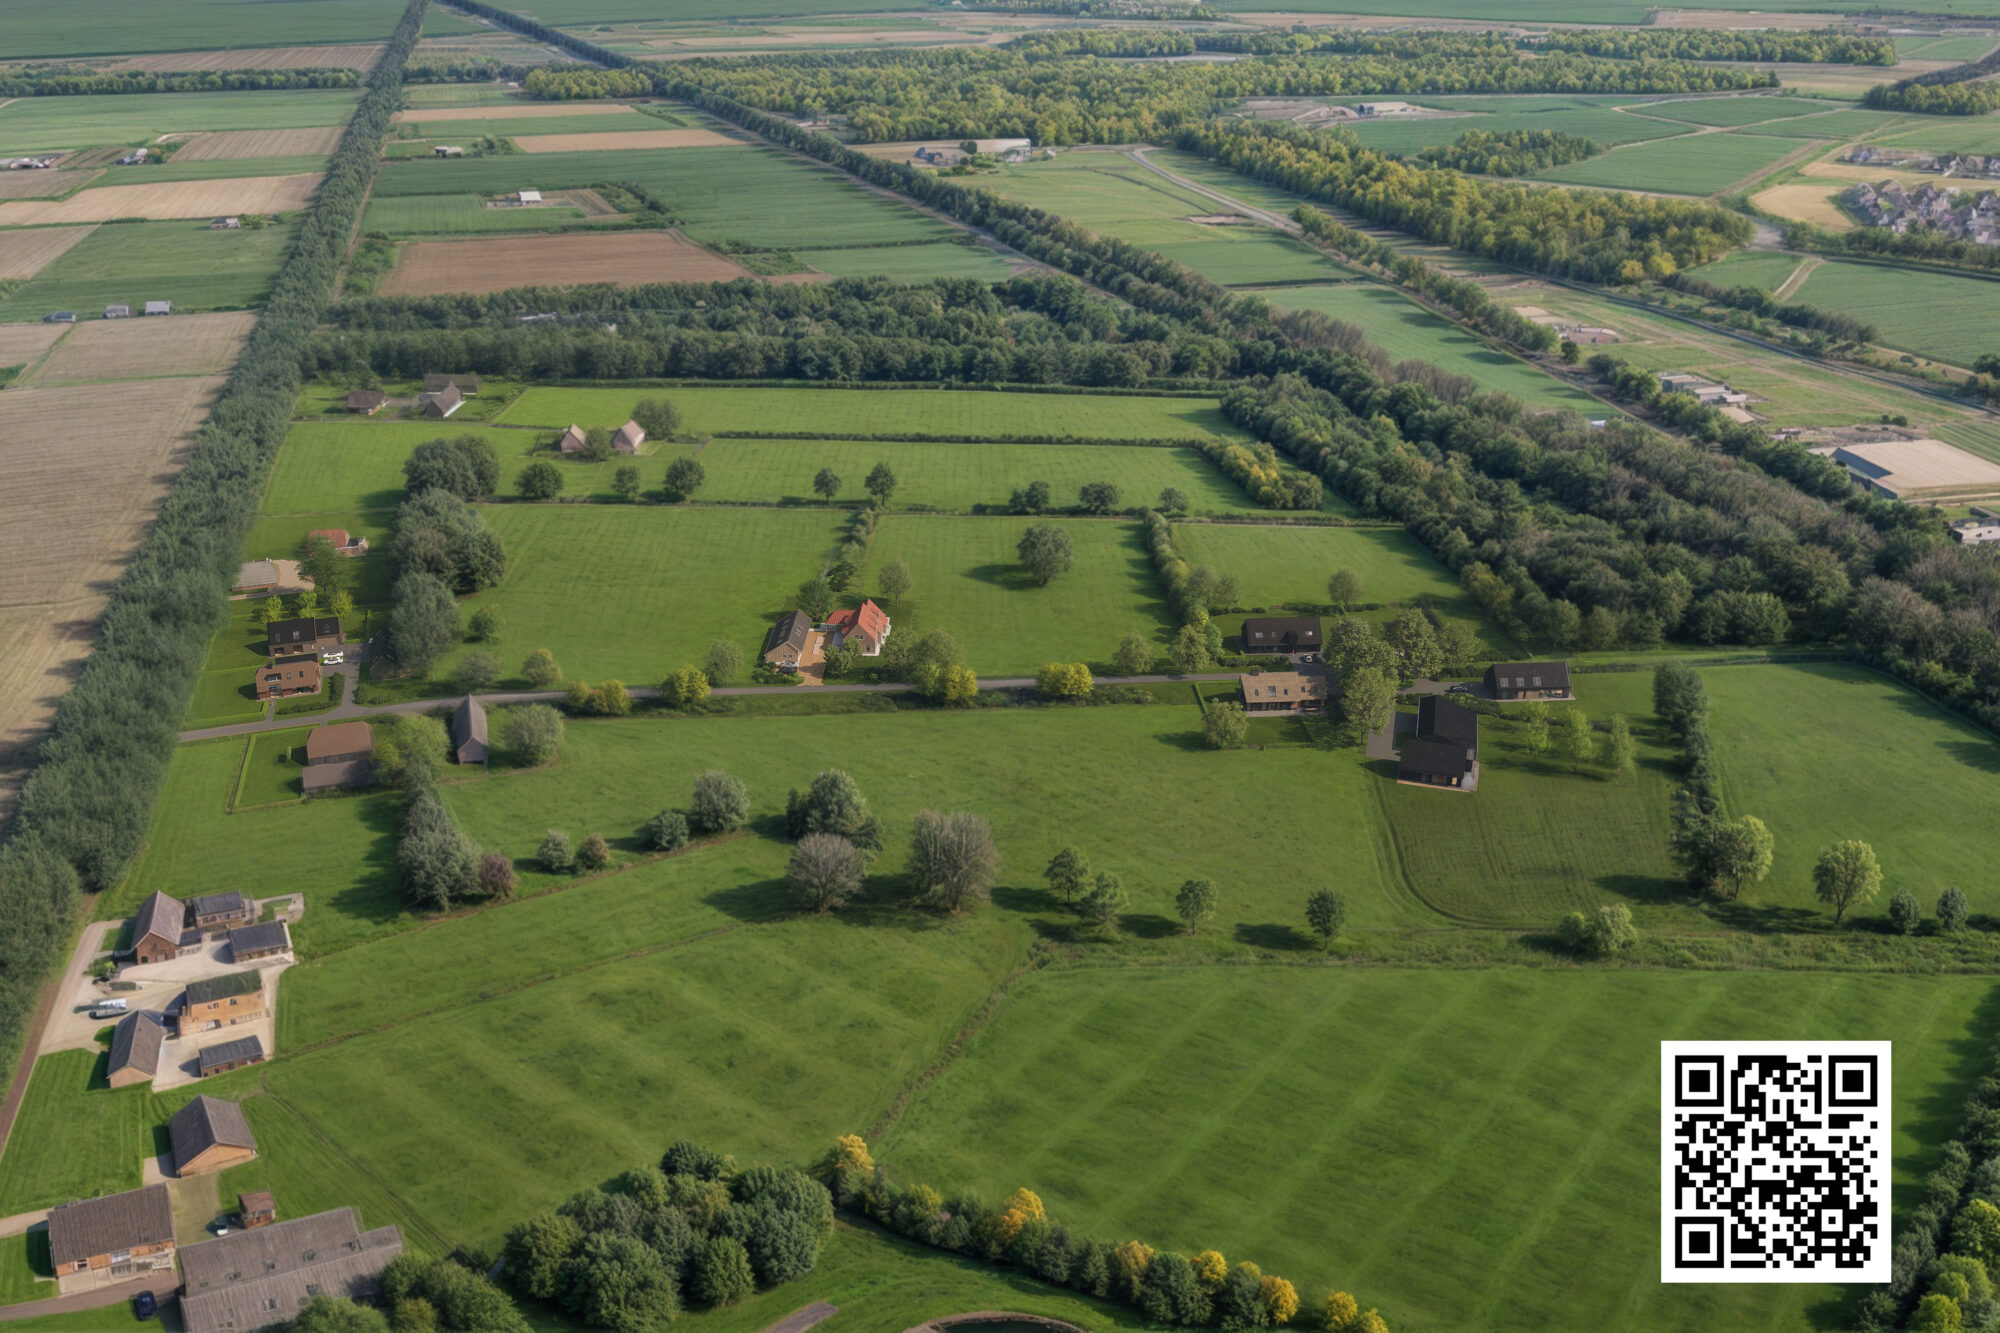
x: 162, y: 1285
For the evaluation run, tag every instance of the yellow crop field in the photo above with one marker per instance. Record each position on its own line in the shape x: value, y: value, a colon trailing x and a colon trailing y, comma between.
x: 170, y: 199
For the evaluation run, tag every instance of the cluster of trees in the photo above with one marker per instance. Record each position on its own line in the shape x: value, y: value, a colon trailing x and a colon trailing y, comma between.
x: 1192, y: 1291
x: 1509, y: 152
x: 568, y: 83
x: 1719, y: 854
x: 1836, y: 326
x: 693, y: 1231
x: 437, y: 864
x: 1107, y: 9
x: 442, y: 547
x: 84, y: 810
x: 1598, y: 236
x: 1819, y: 46
x: 1962, y: 90
x: 559, y: 856
x: 1598, y: 934
x: 1193, y: 592
x: 419, y: 1295
x: 952, y: 858
x: 1925, y: 244
x: 82, y: 80
x: 459, y: 67
x: 1254, y: 467
x: 465, y: 466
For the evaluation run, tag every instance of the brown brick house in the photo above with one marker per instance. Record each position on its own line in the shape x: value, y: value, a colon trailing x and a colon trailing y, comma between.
x: 224, y: 1001
x: 209, y: 1134
x: 628, y: 439
x: 219, y: 911
x: 267, y: 939
x: 306, y: 636
x: 159, y: 930
x: 213, y: 1060
x: 786, y: 643
x: 261, y: 1277
x: 292, y: 676
x: 1285, y: 692
x: 135, y: 1050
x: 125, y: 1233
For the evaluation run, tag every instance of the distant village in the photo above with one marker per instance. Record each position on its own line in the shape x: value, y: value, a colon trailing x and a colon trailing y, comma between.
x: 1930, y: 208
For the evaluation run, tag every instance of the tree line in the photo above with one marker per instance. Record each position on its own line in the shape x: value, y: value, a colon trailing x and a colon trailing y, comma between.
x: 1832, y: 323
x: 1962, y: 90
x: 1923, y: 244
x: 1508, y: 152
x: 85, y: 808
x: 1819, y: 46
x: 75, y: 80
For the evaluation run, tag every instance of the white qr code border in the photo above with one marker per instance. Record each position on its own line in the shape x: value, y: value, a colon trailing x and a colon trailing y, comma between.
x: 1695, y: 1228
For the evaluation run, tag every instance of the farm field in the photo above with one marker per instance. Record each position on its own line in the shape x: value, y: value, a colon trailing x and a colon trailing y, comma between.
x: 516, y: 109
x: 22, y: 343
x: 1289, y: 566
x: 482, y: 122
x: 40, y: 123
x: 1604, y: 11
x: 175, y: 199
x: 1454, y: 1144
x: 45, y: 184
x: 131, y: 349
x: 1734, y: 111
x: 229, y: 145
x: 1693, y: 164
x: 972, y: 414
x: 50, y: 27
x: 1848, y: 124
x: 622, y: 141
x: 1764, y: 269
x: 354, y: 55
x: 27, y: 253
x: 1405, y: 330
x: 450, y: 214
x: 910, y: 263
x: 628, y: 258
x: 1596, y: 118
x: 1934, y: 314
x: 132, y: 262
x: 1943, y: 134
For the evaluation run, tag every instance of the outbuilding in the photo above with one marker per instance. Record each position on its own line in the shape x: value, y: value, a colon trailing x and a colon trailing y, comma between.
x: 209, y: 1134
x: 573, y: 440
x: 443, y: 403
x: 222, y: 1001
x: 220, y: 911
x: 159, y: 929
x: 263, y: 1276
x: 131, y: 1232
x: 255, y: 578
x: 366, y: 401
x: 213, y: 1060
x: 628, y: 439
x: 135, y: 1049
x: 118, y: 312
x: 468, y: 732
x: 159, y: 307
x: 266, y: 939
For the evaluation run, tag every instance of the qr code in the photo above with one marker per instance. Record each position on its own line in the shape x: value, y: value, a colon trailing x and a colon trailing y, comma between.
x: 1774, y: 1161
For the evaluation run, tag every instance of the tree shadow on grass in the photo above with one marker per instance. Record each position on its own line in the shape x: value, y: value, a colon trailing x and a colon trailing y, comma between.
x: 373, y: 896
x: 1193, y: 741
x: 1982, y: 755
x: 1014, y: 578
x: 757, y: 903
x: 1026, y: 898
x: 1149, y: 925
x: 1654, y: 890
x: 1274, y: 937
x: 1770, y: 920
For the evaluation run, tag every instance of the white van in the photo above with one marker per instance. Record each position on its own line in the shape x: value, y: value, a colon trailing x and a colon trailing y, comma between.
x: 108, y: 1009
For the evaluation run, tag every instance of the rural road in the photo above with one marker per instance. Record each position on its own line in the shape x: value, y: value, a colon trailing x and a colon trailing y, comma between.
x: 1255, y: 214
x: 350, y: 711
x: 162, y: 1285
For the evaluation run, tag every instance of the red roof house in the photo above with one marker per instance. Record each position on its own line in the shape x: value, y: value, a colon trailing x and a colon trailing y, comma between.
x: 863, y: 627
x: 343, y: 542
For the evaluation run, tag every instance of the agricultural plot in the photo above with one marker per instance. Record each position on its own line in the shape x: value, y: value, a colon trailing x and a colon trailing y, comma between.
x: 515, y: 109
x: 229, y: 145
x: 1817, y: 202
x: 1850, y: 124
x: 1734, y: 111
x: 1763, y: 269
x: 491, y: 124
x: 354, y: 55
x: 623, y: 141
x: 1933, y: 314
x: 131, y: 349
x: 1943, y: 134
x: 1691, y: 164
x: 1450, y: 1147
x: 910, y: 263
x: 628, y: 258
x: 29, y: 124
x: 177, y: 199
x: 449, y: 214
x: 27, y: 253
x: 1589, y: 118
x: 127, y: 263
x: 44, y: 184
x: 51, y: 27
x: 971, y: 414
x: 1289, y: 566
x: 176, y: 171
x: 23, y: 343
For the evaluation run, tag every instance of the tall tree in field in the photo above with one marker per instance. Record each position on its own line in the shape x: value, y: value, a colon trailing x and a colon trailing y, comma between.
x: 270, y: 611
x: 423, y: 623
x: 894, y: 582
x: 1574, y: 738
x: 1047, y: 551
x: 1367, y: 698
x: 826, y: 484
x: 1343, y: 589
x: 1135, y: 656
x: 1189, y: 650
x: 323, y: 565
x: 881, y: 484
x: 1196, y: 902
x: 1105, y: 900
x: 1846, y: 875
x: 1619, y: 749
x: 683, y: 478
x: 952, y: 858
x: 1224, y: 725
x: 1030, y: 499
x: 659, y: 418
x: 1535, y: 732
x: 1680, y: 700
x: 1740, y: 851
x: 825, y: 871
x: 625, y: 483
x: 721, y: 803
x: 1415, y: 645
x: 833, y: 804
x: 1068, y: 872
x: 1173, y: 501
x: 540, y: 481
x: 722, y: 661
x: 1097, y: 497
x: 1326, y: 913
x: 534, y: 734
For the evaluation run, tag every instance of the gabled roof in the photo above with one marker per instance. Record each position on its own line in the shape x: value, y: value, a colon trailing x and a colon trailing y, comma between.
x: 1529, y: 675
x: 229, y: 1053
x: 791, y: 628
x: 306, y: 629
x: 109, y: 1223
x: 445, y: 401
x: 340, y: 738
x: 1280, y: 631
x: 208, y: 1122
x: 468, y: 722
x: 208, y: 904
x: 367, y: 398
x: 265, y: 1275
x: 1439, y: 719
x: 326, y: 777
x: 1284, y: 687
x: 629, y: 438
x: 263, y: 935
x: 210, y: 989
x: 573, y: 440
x: 867, y: 618
x: 1426, y: 756
x: 135, y: 1044
x: 159, y: 915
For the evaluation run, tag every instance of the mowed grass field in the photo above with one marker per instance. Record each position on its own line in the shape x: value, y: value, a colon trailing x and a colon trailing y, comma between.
x: 1734, y: 111
x: 134, y: 262
x: 1933, y: 314
x: 972, y: 414
x: 1465, y: 1150
x: 1692, y: 164
x: 1285, y: 566
x: 910, y: 263
x: 1595, y: 118
x: 458, y: 214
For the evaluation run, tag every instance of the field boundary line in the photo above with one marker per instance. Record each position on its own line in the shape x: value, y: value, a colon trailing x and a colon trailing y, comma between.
x: 24, y: 380
x: 988, y: 1009
x: 1796, y: 278
x: 1762, y: 174
x: 360, y: 1168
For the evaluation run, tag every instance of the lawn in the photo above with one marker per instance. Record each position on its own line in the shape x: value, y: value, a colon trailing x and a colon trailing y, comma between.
x: 1289, y: 566
x: 910, y: 263
x: 1464, y: 1149
x: 86, y: 121
x: 1407, y: 331
x: 129, y: 262
x: 1589, y: 118
x: 271, y: 768
x: 76, y: 1136
x: 969, y: 414
x: 223, y: 695
x: 1763, y: 269
x: 1692, y: 164
x: 1932, y: 314
x: 1833, y: 125
x: 969, y: 581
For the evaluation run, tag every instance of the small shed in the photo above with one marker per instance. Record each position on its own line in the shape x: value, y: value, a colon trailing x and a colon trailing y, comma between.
x: 256, y: 576
x: 118, y: 312
x: 60, y: 317
x: 468, y: 732
x: 135, y: 1050
x: 528, y: 197
x: 447, y: 150
x: 366, y: 401
x: 220, y: 1059
x: 209, y: 1134
x: 267, y: 939
x: 628, y: 439
x: 443, y: 403
x: 256, y: 1209
x: 226, y: 224
x: 573, y: 440
x: 159, y: 307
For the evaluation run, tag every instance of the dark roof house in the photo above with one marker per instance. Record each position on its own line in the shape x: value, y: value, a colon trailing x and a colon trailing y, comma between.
x: 86, y: 1234
x: 1281, y: 634
x: 1528, y: 680
x: 307, y: 634
x: 210, y: 989
x: 366, y: 401
x: 1445, y: 750
x: 157, y: 929
x: 786, y: 642
x: 468, y: 732
x: 443, y: 403
x: 228, y: 1055
x: 208, y: 1134
x: 352, y: 775
x: 263, y: 1276
x: 259, y: 941
x: 135, y: 1050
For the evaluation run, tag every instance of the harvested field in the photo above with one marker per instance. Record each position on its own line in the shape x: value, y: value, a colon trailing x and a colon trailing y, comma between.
x: 129, y: 349
x: 223, y: 145
x: 514, y: 111
x: 26, y: 253
x: 361, y: 55
x: 586, y: 143
x: 22, y: 343
x: 429, y: 267
x: 179, y: 199
x: 43, y: 184
x: 1806, y: 201
x: 61, y: 543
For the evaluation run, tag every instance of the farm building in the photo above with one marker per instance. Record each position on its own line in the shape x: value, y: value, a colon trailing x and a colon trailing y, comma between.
x: 786, y: 642
x: 439, y: 405
x: 125, y: 1233
x: 465, y: 384
x: 573, y: 440
x: 1983, y: 526
x: 263, y: 1276
x: 1383, y: 108
x: 1707, y: 392
x: 447, y: 150
x: 209, y: 1134
x: 1917, y: 469
x: 628, y: 439
x: 340, y: 539
x: 159, y: 307
x: 159, y: 931
x: 213, y: 1060
x: 366, y: 401
x: 1445, y: 750
x: 1528, y: 680
x: 525, y: 197
x: 256, y: 1209
x: 1285, y: 692
x: 135, y: 158
x: 255, y: 577
x: 60, y: 317
x: 863, y: 627
x: 468, y: 732
x: 135, y: 1050
x: 220, y: 1002
x: 1281, y: 634
x: 266, y: 939
x: 118, y: 312
x: 289, y: 678
x: 339, y: 755
x: 220, y: 911
x: 304, y: 637
x: 226, y: 224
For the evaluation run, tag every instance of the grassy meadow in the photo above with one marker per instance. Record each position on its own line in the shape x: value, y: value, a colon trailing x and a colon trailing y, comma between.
x: 55, y: 28
x: 909, y: 263
x: 133, y: 262
x: 86, y: 121
x: 1289, y: 566
x: 1933, y: 314
x: 458, y: 214
x: 1691, y: 164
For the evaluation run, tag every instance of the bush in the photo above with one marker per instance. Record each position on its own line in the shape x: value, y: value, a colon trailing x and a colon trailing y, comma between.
x: 496, y: 875
x: 1224, y: 725
x: 722, y: 1274
x: 721, y: 803
x: 534, y: 734
x: 1904, y: 913
x: 595, y: 853
x: 541, y: 670
x: 952, y: 858
x: 541, y: 481
x: 1953, y: 909
x: 486, y: 625
x: 667, y: 831
x: 825, y: 871
x: 686, y: 687
x: 556, y: 854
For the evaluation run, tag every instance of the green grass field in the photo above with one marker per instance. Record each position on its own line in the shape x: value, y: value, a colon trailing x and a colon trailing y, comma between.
x: 88, y: 1138
x: 1933, y: 47
x: 182, y: 262
x: 1407, y: 331
x: 451, y: 214
x: 1281, y: 566
x: 224, y: 695
x: 1564, y: 11
x: 1944, y: 134
x: 970, y: 582
x: 969, y: 413
x: 1592, y: 118
x: 1933, y: 314
x: 219, y: 169
x: 1691, y: 164
x: 450, y: 131
x: 1852, y: 124
x: 32, y: 123
x: 108, y: 27
x: 1732, y: 111
x: 910, y: 263
x: 1763, y: 269
x: 271, y: 769
x: 1463, y: 1149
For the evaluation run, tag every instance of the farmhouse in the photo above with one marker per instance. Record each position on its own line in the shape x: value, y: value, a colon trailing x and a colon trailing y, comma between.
x: 159, y: 307
x: 224, y: 1001
x: 220, y: 911
x: 263, y: 1276
x: 209, y: 1134
x: 213, y: 1060
x: 439, y: 405
x: 256, y: 1209
x: 266, y: 939
x: 468, y: 732
x: 307, y: 636
x: 294, y: 676
x: 864, y: 627
x: 1281, y: 634
x: 1528, y: 680
x: 1982, y: 526
x: 786, y: 642
x: 527, y: 197
x: 254, y: 577
x: 1285, y: 692
x: 1917, y: 469
x: 366, y: 401
x: 628, y: 439
x: 158, y: 931
x: 465, y: 384
x: 118, y: 312
x: 573, y: 440
x: 135, y: 1050
x: 1445, y: 750
x: 125, y: 1233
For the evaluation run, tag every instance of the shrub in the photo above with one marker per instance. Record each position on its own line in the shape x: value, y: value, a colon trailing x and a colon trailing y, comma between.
x: 496, y: 875
x: 1904, y: 913
x: 952, y: 858
x: 686, y: 687
x: 721, y: 803
x: 486, y: 625
x: 595, y: 853
x: 556, y: 854
x: 541, y: 670
x: 667, y: 831
x: 1065, y: 680
x: 833, y: 804
x: 1953, y: 909
x: 722, y: 1274
x: 1224, y: 726
x: 477, y: 671
x: 540, y: 481
x: 534, y: 734
x: 825, y: 870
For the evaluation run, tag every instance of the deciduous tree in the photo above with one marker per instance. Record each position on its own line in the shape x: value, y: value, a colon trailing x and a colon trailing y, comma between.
x: 1047, y: 551
x: 477, y: 671
x: 1189, y: 651
x: 534, y: 734
x: 1619, y: 748
x: 1343, y: 588
x: 826, y: 484
x: 833, y: 804
x: 686, y: 687
x: 722, y: 661
x: 1904, y: 913
x: 722, y: 1274
x: 721, y: 803
x: 816, y: 598
x: 594, y: 854
x: 881, y: 484
x: 1952, y: 909
x: 423, y: 623
x: 496, y: 875
x: 1196, y: 902
x: 894, y: 582
x: 683, y: 478
x: 556, y: 854
x: 825, y: 870
x: 540, y: 481
x: 1575, y: 741
x: 1326, y: 913
x: 1367, y: 697
x: 541, y: 670
x: 625, y: 483
x: 1848, y: 875
x: 1097, y: 497
x: 1224, y: 725
x: 952, y: 858
x: 667, y: 831
x: 1030, y: 499
x: 1065, y: 680
x: 1135, y: 655
x: 658, y: 417
x: 1068, y: 872
x: 1173, y: 501
x: 485, y: 625
x: 1105, y: 900
x: 1740, y: 851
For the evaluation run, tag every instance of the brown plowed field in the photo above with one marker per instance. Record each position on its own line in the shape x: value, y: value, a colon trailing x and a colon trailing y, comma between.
x: 170, y: 199
x: 1807, y: 201
x: 25, y: 253
x: 33, y: 184
x: 223, y: 145
x: 626, y: 258
x: 74, y: 505
x: 130, y: 349
x: 587, y: 143
x: 514, y: 111
x: 22, y: 343
x: 361, y: 57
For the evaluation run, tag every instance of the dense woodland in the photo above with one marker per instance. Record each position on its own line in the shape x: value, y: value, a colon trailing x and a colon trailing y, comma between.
x: 1963, y: 90
x: 1508, y: 152
x: 70, y: 80
x: 1821, y: 46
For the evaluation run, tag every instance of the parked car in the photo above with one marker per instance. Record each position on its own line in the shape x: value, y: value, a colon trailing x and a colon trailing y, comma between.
x: 333, y: 659
x: 108, y: 1009
x: 145, y: 1305
x: 1463, y: 687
